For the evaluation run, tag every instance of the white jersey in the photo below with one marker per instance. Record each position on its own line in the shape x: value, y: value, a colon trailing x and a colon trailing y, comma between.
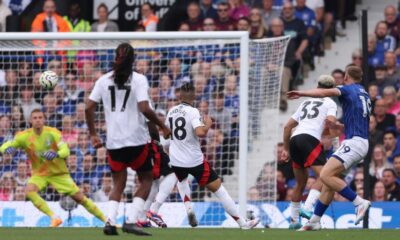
x: 311, y: 116
x: 184, y: 149
x: 126, y: 125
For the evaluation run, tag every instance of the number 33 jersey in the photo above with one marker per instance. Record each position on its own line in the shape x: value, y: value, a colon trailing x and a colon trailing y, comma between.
x: 184, y: 150
x: 126, y: 125
x: 311, y: 116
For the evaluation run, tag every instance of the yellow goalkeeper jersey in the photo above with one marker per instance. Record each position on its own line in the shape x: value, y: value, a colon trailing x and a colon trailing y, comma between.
x: 36, y: 145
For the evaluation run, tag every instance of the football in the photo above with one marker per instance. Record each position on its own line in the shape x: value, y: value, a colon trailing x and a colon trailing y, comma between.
x: 48, y: 80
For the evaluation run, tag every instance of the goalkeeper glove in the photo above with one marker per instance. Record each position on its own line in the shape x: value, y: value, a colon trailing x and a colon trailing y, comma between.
x: 50, y: 155
x: 10, y: 150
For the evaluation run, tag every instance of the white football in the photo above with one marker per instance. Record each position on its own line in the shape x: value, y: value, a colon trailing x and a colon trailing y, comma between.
x: 48, y: 80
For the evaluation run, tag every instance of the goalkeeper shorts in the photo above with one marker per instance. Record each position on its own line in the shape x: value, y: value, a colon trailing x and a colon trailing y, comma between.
x: 64, y: 184
x: 203, y: 173
x: 139, y: 158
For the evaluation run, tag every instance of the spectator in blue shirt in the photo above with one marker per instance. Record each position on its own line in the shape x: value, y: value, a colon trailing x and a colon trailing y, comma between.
x: 384, y: 41
x: 207, y: 9
x: 391, y: 146
x: 304, y: 13
x: 231, y: 95
x: 73, y: 94
x: 374, y: 58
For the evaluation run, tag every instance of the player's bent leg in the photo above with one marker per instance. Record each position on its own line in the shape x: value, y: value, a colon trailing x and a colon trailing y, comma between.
x: 307, y: 210
x: 167, y: 184
x: 330, y: 177
x: 185, y: 193
x: 229, y: 205
x: 330, y: 172
x: 320, y: 208
x: 301, y: 175
x: 143, y: 219
x: 34, y: 185
x: 87, y: 203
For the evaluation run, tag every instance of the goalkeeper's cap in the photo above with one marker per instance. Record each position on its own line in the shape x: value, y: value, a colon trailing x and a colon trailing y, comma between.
x: 326, y: 81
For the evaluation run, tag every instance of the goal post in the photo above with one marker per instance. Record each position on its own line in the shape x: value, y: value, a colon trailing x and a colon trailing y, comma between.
x: 212, y: 60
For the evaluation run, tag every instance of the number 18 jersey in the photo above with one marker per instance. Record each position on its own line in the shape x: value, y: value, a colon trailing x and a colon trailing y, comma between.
x: 311, y: 116
x: 184, y: 150
x: 126, y: 125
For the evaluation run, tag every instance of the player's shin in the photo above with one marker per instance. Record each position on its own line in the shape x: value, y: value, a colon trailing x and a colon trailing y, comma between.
x: 40, y: 203
x: 294, y: 212
x: 229, y: 205
x: 166, y: 186
x: 185, y: 193
x: 93, y: 209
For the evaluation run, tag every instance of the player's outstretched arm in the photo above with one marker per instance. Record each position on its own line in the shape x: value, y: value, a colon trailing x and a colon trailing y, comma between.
x: 90, y: 114
x: 10, y: 147
x: 144, y: 107
x: 317, y: 92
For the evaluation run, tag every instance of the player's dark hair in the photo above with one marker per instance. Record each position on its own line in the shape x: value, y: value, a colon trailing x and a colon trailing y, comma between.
x: 355, y: 73
x: 123, y: 65
x: 187, y: 92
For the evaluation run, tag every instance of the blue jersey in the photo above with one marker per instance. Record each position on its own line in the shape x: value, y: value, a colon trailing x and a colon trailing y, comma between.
x: 356, y: 106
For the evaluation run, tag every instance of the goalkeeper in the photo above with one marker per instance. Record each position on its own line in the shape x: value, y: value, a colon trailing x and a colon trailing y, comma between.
x: 47, y: 153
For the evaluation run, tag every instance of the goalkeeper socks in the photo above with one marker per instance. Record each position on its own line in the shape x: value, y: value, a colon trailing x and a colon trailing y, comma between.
x: 229, y: 204
x: 136, y: 209
x: 347, y: 193
x: 93, y: 209
x: 312, y: 198
x: 112, y: 212
x: 40, y: 203
x: 166, y: 186
x: 294, y: 212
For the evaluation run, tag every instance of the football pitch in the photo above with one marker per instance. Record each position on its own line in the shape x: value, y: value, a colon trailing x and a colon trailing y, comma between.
x: 195, y: 234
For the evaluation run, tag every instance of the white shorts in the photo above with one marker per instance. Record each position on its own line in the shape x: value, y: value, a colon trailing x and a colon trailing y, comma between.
x: 352, y: 151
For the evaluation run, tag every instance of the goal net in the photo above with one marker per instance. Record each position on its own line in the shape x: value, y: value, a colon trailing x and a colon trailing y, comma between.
x: 223, y: 74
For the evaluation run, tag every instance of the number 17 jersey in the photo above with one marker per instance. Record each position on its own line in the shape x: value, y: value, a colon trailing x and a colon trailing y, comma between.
x: 184, y: 150
x: 126, y: 125
x: 311, y: 116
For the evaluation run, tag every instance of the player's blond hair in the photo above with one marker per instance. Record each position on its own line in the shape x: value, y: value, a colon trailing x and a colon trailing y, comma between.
x: 326, y: 81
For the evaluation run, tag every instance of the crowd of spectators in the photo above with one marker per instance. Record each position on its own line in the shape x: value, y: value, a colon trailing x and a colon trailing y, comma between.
x: 384, y: 128
x: 214, y: 70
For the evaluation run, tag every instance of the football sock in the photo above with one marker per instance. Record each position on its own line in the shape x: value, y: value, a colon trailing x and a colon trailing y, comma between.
x: 229, y: 205
x: 112, y: 212
x: 319, y: 210
x: 184, y: 192
x: 294, y: 212
x: 347, y: 193
x: 358, y: 200
x: 40, y: 203
x: 149, y: 200
x: 312, y: 198
x: 136, y: 208
x: 166, y: 186
x: 93, y: 209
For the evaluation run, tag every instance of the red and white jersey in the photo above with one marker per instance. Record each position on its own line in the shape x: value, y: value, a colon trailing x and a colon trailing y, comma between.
x: 126, y: 125
x: 311, y: 116
x: 184, y: 149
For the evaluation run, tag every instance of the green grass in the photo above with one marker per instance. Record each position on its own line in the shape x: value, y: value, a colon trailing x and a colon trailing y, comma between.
x: 195, y: 234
